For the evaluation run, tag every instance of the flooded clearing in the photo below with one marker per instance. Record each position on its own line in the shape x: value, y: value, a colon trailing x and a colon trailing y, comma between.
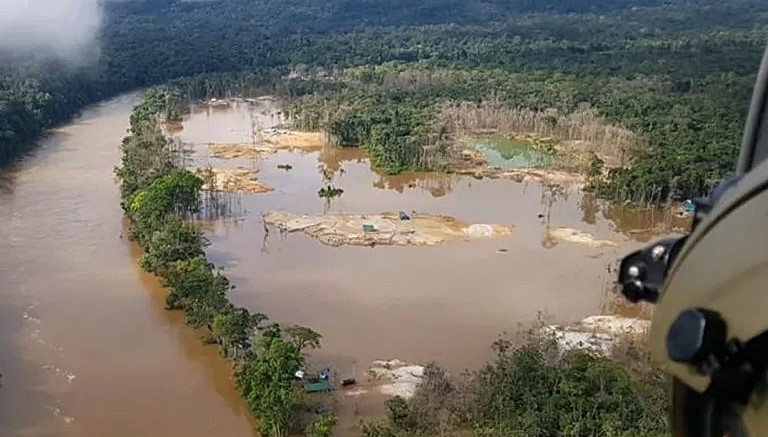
x: 479, y: 162
x: 512, y: 153
x: 398, y: 303
x: 89, y: 350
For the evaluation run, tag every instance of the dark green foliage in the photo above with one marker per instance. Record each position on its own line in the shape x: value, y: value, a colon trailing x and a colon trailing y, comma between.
x: 391, y: 124
x: 533, y: 389
x: 677, y: 72
x: 176, y: 240
x: 322, y: 427
x: 537, y: 390
x: 303, y: 337
x: 330, y: 191
x: 266, y: 382
x: 174, y: 195
x: 196, y: 282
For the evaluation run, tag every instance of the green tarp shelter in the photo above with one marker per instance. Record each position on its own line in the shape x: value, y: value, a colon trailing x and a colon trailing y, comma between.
x: 318, y: 387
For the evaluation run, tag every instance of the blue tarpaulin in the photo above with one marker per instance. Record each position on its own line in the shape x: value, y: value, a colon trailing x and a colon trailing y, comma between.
x: 689, y: 206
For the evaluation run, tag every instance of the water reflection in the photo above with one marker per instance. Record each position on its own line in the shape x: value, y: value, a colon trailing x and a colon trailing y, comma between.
x: 436, y: 184
x: 7, y: 179
x: 647, y: 223
x: 551, y: 194
x: 333, y: 160
x: 334, y: 157
x: 589, y: 209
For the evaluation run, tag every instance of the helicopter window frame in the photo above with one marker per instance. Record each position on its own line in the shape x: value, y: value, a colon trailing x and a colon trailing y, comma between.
x: 754, y: 148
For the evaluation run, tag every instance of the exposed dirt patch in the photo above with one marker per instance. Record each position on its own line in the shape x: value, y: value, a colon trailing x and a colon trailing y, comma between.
x: 237, y: 151
x: 619, y: 306
x: 238, y: 180
x: 271, y: 141
x: 541, y: 175
x: 280, y: 139
x: 395, y: 377
x: 582, y: 152
x: 575, y: 236
x: 216, y: 103
x: 601, y: 334
x: 383, y: 229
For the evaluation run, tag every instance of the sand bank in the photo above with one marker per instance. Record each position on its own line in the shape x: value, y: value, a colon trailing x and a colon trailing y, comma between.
x: 383, y: 229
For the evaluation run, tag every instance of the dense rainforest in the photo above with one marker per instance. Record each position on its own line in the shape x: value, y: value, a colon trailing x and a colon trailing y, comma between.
x: 677, y: 73
x: 670, y: 79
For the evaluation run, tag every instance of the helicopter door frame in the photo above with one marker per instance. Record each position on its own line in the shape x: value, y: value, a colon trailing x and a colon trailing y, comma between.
x: 754, y: 146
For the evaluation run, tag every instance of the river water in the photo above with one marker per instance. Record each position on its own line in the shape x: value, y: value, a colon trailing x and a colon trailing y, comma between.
x: 87, y: 349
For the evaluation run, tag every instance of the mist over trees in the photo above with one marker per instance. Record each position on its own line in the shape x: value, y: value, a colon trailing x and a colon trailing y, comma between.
x: 68, y: 31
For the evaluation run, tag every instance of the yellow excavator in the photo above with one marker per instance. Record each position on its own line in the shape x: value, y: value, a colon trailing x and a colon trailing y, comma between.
x: 710, y: 290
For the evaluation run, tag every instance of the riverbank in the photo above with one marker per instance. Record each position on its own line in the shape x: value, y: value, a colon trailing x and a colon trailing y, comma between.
x: 160, y: 198
x: 76, y: 311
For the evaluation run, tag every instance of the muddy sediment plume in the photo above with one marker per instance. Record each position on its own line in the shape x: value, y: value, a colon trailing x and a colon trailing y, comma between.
x: 387, y: 229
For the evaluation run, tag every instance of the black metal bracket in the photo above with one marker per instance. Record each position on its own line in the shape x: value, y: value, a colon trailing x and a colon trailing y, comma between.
x: 739, y: 370
x: 642, y: 273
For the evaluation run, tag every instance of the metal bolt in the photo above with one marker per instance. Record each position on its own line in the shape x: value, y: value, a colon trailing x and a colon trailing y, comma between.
x: 657, y: 252
x: 633, y: 271
x: 697, y: 337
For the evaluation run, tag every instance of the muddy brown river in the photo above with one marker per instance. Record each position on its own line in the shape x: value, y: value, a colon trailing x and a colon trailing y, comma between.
x: 87, y: 349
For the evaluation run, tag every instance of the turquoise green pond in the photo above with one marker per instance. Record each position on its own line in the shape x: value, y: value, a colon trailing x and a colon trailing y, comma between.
x: 510, y: 153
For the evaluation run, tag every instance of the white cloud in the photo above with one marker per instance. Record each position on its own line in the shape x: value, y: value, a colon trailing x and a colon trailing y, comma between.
x: 64, y: 29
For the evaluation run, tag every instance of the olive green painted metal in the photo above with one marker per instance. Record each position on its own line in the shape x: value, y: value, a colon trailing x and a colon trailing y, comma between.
x: 723, y: 269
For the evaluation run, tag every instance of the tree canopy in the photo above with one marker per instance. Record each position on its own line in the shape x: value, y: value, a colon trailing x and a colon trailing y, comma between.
x: 676, y: 72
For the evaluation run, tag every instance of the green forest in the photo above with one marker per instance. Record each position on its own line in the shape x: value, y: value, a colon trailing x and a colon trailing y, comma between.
x: 677, y: 73
x: 669, y: 78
